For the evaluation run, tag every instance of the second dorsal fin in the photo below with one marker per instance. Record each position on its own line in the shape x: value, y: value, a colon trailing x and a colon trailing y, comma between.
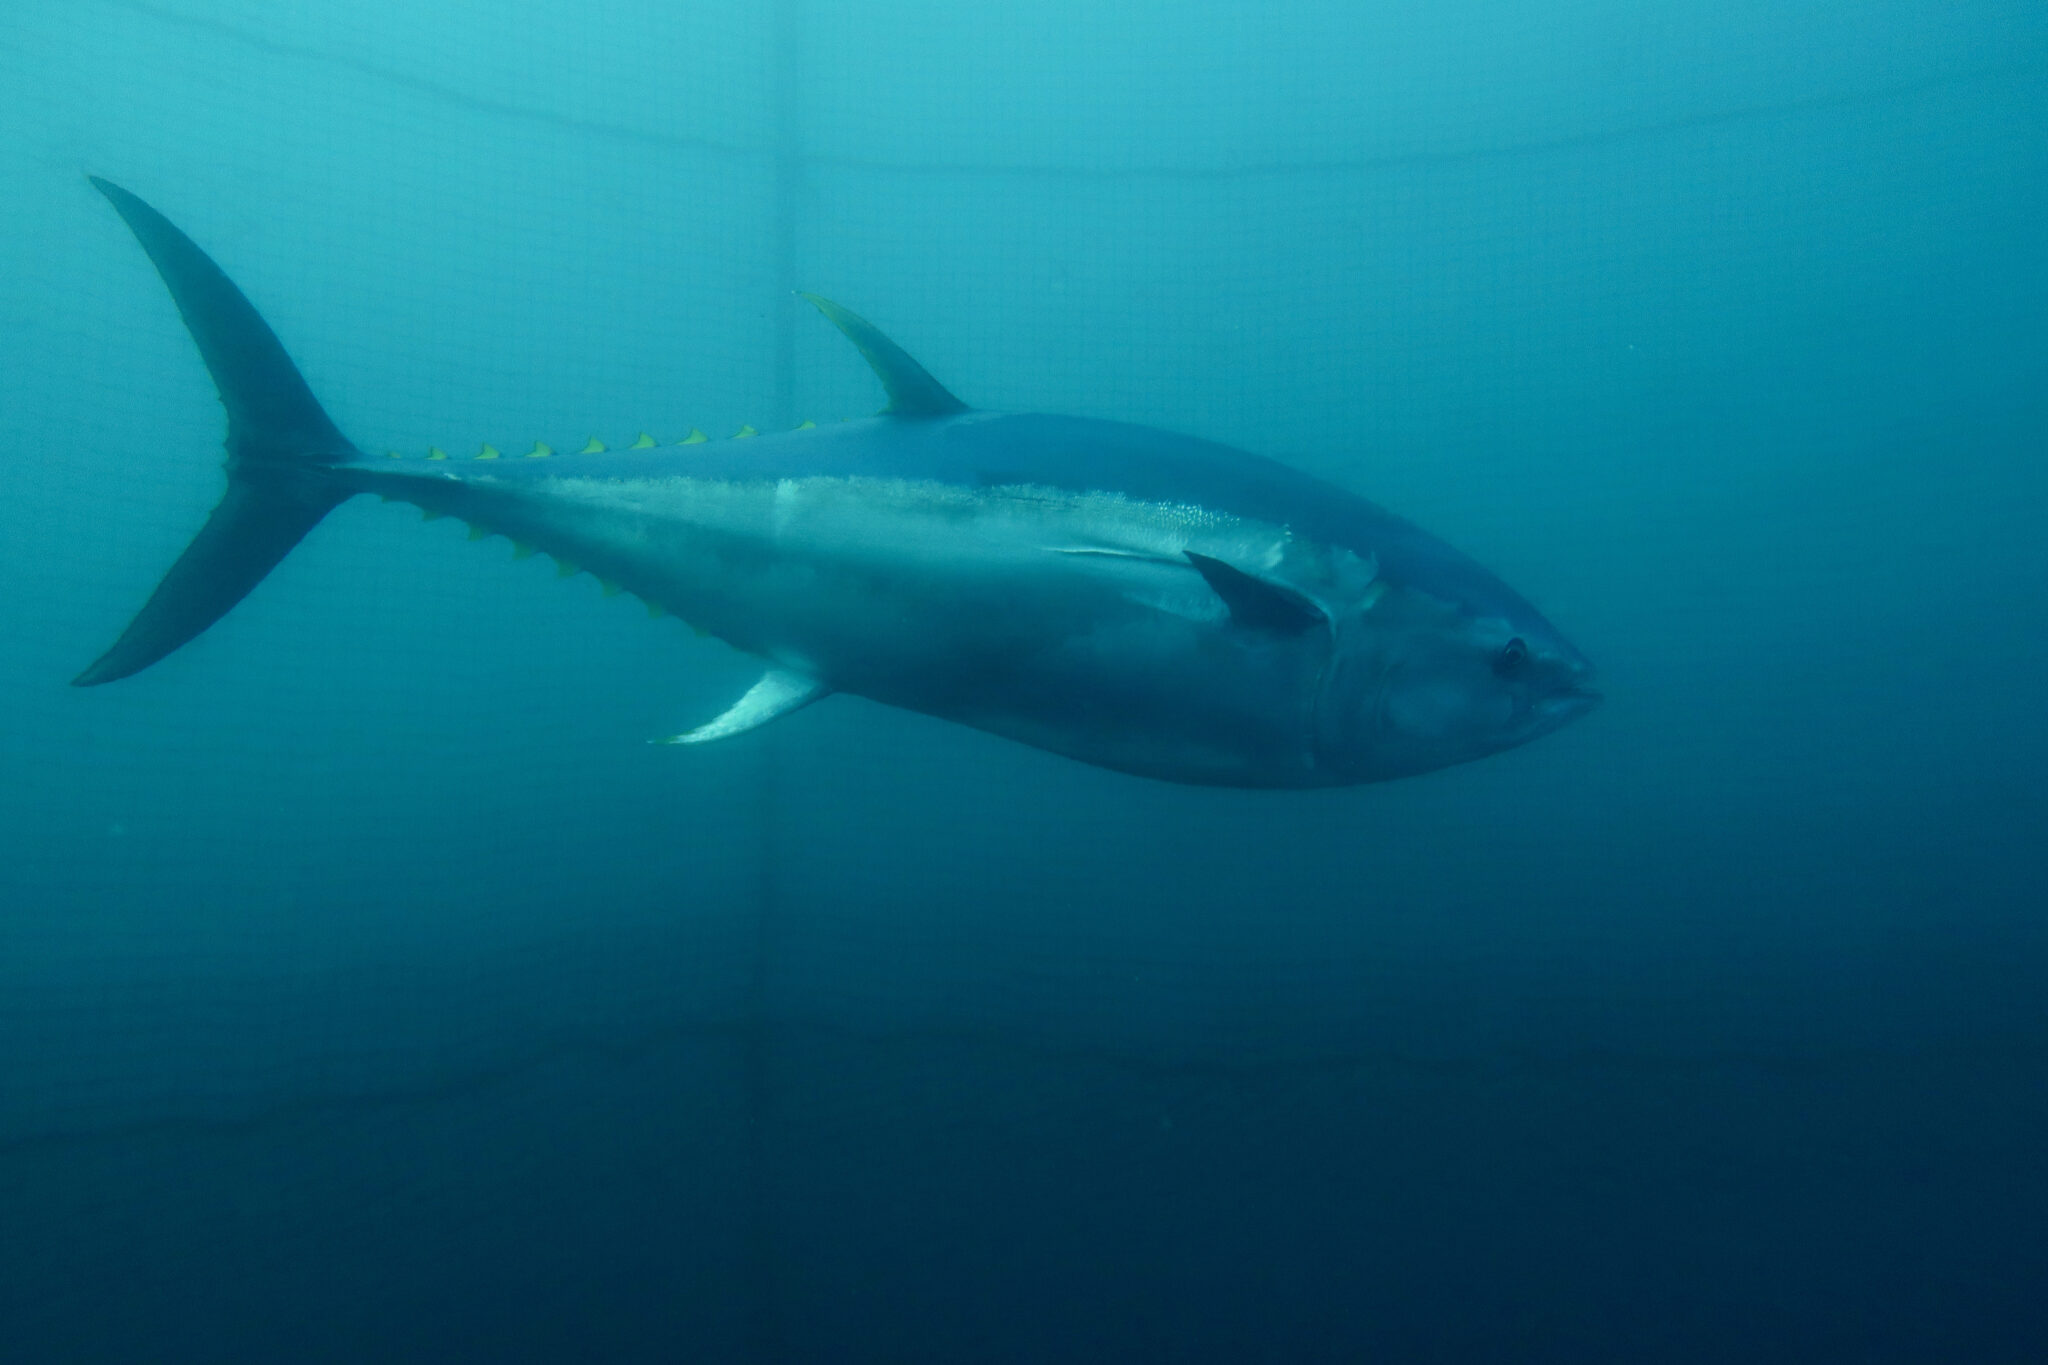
x: 912, y: 390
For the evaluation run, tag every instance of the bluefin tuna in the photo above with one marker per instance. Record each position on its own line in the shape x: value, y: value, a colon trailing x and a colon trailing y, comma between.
x: 1125, y: 596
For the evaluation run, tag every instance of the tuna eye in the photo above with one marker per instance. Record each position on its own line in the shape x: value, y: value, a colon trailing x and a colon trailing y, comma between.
x: 1512, y: 656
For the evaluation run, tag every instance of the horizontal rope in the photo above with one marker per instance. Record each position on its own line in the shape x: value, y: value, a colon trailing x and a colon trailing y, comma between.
x: 1307, y: 166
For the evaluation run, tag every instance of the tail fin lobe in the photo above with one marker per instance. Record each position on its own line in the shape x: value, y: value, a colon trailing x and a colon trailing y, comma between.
x: 254, y: 527
x: 272, y: 414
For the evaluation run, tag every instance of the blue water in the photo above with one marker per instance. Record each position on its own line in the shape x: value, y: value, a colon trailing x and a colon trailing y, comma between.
x: 369, y: 990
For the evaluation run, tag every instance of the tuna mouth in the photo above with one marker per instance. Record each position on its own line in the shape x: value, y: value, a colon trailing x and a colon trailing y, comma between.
x: 1567, y: 704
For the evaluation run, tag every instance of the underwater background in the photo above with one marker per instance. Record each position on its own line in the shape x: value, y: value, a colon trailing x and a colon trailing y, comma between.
x: 371, y: 990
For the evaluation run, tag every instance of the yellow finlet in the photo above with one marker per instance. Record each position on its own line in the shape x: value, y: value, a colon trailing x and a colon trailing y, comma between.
x: 592, y: 447
x: 477, y: 532
x: 656, y: 610
x: 744, y: 432
x: 806, y: 425
x: 610, y: 589
x: 489, y: 452
x: 520, y: 550
x: 695, y: 438
x: 541, y: 450
x: 429, y: 514
x: 436, y: 453
x: 564, y: 569
x: 394, y: 455
x: 645, y: 442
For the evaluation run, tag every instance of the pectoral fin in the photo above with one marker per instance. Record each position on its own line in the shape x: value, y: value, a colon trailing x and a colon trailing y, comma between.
x: 1259, y: 603
x: 777, y: 694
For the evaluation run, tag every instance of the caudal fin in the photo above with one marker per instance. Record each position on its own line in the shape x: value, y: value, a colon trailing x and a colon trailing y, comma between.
x: 279, y: 445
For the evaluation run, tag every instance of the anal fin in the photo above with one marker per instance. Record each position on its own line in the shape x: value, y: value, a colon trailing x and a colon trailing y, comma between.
x: 778, y: 693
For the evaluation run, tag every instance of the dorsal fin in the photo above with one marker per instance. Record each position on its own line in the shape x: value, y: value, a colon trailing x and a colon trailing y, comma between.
x: 912, y: 391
